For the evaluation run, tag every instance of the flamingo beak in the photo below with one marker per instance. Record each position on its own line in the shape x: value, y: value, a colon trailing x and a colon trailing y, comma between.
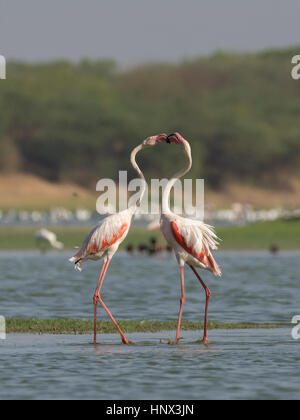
x: 150, y: 141
x: 153, y: 140
x: 168, y: 138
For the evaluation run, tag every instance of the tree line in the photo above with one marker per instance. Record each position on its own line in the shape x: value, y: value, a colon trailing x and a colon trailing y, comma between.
x: 79, y: 121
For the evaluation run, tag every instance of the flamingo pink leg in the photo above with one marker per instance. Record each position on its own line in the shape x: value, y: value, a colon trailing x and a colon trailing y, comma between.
x: 96, y: 301
x: 182, y: 300
x: 97, y: 297
x: 208, y: 293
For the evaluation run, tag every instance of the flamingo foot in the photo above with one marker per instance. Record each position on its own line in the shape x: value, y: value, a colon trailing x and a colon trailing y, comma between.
x: 171, y: 342
x: 203, y: 341
x: 125, y: 341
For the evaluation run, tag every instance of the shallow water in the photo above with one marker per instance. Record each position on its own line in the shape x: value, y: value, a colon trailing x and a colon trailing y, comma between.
x: 255, y: 287
x: 239, y: 364
x: 243, y: 364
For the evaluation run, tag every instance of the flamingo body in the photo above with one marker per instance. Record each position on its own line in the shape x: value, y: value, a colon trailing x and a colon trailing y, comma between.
x: 104, y: 240
x: 191, y: 241
x: 46, y: 237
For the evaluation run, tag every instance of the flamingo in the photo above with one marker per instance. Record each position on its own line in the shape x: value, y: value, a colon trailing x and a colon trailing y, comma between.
x: 46, y: 237
x: 104, y: 239
x: 191, y: 240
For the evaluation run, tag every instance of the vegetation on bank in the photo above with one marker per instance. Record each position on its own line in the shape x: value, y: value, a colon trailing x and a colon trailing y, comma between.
x: 60, y: 120
x: 283, y: 233
x: 72, y: 326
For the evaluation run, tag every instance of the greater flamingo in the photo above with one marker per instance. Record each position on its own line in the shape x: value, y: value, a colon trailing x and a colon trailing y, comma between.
x: 46, y: 237
x: 191, y: 240
x: 104, y: 240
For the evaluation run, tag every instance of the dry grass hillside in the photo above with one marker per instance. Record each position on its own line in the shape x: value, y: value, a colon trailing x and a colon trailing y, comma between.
x: 285, y: 197
x: 25, y: 191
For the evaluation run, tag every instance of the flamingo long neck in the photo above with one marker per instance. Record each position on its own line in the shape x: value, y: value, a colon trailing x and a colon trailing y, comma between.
x: 170, y: 184
x: 140, y: 174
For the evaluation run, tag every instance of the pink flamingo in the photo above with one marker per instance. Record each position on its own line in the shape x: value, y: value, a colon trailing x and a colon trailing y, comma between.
x: 104, y: 240
x: 190, y: 239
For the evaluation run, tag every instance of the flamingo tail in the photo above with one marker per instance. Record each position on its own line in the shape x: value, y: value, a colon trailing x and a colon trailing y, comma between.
x: 209, y: 237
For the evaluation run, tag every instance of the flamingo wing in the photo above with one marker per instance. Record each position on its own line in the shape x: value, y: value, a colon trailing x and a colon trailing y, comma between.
x: 112, y: 230
x: 104, y: 236
x: 196, y: 240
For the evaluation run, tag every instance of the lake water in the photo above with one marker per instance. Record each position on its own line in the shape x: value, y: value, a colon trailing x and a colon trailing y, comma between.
x: 239, y: 364
x: 255, y: 287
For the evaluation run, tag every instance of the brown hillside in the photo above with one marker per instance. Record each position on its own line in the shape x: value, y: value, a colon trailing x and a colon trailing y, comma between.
x: 25, y: 191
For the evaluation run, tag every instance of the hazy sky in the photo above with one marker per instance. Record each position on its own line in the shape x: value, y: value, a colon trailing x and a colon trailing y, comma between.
x: 133, y: 31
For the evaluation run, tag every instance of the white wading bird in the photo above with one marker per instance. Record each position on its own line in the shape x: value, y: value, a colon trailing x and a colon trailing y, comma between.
x: 104, y: 240
x: 190, y: 239
x: 45, y: 237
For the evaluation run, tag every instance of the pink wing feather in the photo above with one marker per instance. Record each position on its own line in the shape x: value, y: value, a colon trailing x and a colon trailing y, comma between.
x: 111, y: 230
x: 196, y: 240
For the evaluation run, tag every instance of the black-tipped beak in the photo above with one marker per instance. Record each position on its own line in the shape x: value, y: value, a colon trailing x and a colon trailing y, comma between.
x: 168, y: 138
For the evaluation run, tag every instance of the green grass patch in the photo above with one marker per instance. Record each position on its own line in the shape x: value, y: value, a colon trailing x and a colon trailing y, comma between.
x: 284, y: 233
x: 73, y: 326
x: 22, y: 238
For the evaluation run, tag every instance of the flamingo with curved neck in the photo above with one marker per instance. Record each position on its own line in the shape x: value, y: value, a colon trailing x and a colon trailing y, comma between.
x: 191, y: 240
x: 104, y: 240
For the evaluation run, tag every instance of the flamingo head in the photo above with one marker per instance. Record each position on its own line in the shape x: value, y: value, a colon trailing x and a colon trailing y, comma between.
x: 175, y: 138
x: 184, y: 144
x: 153, y: 140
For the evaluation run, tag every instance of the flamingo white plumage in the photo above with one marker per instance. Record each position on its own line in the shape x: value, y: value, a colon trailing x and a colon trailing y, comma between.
x: 46, y: 237
x: 104, y: 240
x: 191, y: 240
